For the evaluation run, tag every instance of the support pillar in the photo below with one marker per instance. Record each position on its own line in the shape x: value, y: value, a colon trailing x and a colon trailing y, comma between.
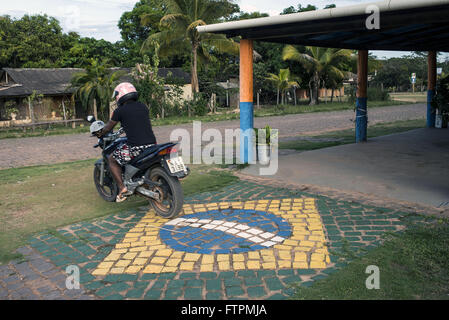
x: 432, y: 81
x: 246, y: 100
x: 361, y: 121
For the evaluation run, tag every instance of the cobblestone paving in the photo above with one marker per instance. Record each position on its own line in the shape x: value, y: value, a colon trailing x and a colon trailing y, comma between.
x: 345, y: 226
x: 58, y: 149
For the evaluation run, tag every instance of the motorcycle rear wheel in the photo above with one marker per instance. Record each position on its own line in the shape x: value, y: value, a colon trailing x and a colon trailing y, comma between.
x: 172, y: 196
x: 109, y: 190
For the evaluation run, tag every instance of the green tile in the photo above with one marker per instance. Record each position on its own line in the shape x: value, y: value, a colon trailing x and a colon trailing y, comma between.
x: 153, y: 294
x: 213, y: 284
x: 135, y: 293
x: 193, y: 294
x: 214, y: 296
x: 234, y: 292
x: 256, y: 292
x: 274, y: 284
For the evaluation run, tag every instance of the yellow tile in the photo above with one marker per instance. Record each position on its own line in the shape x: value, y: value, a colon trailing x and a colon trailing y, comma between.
x: 253, y: 264
x: 317, y: 257
x: 238, y: 265
x: 153, y: 268
x: 284, y: 255
x: 306, y: 249
x: 100, y: 272
x: 112, y: 257
x: 222, y: 257
x: 173, y: 262
x: 117, y: 270
x: 146, y: 254
x: 177, y: 254
x: 192, y: 257
x: 157, y: 247
x: 158, y: 260
x: 305, y: 243
x: 133, y: 235
x: 140, y: 261
x: 207, y: 268
x: 138, y: 249
x: 119, y: 251
x: 164, y: 252
x: 169, y: 269
x: 269, y: 265
x: 207, y: 259
x: 283, y: 247
x: 133, y: 269
x: 268, y: 258
x: 291, y: 242
x: 300, y: 265
x: 300, y: 256
x: 105, y: 265
x: 253, y: 255
x: 186, y: 266
x: 285, y: 264
x: 328, y: 259
x: 122, y: 245
x: 123, y: 263
x: 223, y: 265
x: 238, y: 257
x: 129, y: 240
x: 298, y: 237
x: 317, y: 265
x: 130, y: 255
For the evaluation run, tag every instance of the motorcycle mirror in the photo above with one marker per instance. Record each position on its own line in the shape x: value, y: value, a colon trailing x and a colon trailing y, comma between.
x: 91, y: 119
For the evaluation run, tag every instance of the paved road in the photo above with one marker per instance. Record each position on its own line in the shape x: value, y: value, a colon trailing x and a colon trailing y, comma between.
x: 63, y: 148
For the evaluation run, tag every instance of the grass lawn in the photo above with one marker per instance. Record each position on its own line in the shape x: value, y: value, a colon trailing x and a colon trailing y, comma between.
x: 348, y: 136
x: 258, y: 112
x: 418, y: 97
x: 412, y: 265
x: 35, y: 199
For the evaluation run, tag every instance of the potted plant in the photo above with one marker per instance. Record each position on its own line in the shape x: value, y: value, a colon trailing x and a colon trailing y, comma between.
x: 440, y: 103
x: 263, y: 148
x: 11, y: 110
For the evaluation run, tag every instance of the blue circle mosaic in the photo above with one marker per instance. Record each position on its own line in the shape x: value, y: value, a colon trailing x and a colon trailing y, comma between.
x: 261, y: 230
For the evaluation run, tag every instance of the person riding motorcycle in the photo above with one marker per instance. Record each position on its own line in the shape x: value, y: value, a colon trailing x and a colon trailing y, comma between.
x: 135, y: 120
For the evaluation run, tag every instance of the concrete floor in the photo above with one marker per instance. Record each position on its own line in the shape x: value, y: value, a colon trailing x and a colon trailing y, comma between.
x: 411, y: 166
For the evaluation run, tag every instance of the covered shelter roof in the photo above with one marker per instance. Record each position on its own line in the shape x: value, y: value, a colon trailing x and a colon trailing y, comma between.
x: 405, y: 25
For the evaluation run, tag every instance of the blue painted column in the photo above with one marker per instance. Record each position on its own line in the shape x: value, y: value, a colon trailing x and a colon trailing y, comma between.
x: 246, y: 101
x: 361, y: 121
x: 432, y: 80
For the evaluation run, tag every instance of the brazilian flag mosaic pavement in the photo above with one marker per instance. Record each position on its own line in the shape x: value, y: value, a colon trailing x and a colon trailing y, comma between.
x: 246, y: 241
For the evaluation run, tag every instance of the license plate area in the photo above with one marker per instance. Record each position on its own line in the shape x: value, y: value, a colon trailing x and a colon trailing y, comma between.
x: 176, y: 165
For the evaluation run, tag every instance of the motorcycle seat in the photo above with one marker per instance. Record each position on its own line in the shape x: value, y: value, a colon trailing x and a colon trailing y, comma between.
x: 148, y: 151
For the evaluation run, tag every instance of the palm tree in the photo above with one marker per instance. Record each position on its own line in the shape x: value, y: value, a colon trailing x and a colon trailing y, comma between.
x: 179, y: 32
x: 95, y: 84
x: 321, y: 63
x: 282, y: 82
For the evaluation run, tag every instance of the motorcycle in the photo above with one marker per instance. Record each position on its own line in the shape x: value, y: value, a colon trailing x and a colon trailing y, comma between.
x: 154, y: 174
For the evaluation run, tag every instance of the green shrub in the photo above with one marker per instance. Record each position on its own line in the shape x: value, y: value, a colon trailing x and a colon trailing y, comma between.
x: 374, y: 94
x: 198, y: 105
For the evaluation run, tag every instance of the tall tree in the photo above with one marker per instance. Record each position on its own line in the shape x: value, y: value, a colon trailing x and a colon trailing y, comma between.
x: 179, y: 31
x: 283, y: 82
x: 95, y: 85
x: 134, y: 32
x: 320, y: 62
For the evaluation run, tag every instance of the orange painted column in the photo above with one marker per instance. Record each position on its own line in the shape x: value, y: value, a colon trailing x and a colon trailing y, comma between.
x: 246, y: 100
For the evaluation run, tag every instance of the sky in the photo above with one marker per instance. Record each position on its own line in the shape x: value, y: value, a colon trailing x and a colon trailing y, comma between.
x: 99, y: 18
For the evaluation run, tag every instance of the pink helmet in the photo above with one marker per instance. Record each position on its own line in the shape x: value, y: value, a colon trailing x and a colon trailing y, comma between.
x: 123, y: 92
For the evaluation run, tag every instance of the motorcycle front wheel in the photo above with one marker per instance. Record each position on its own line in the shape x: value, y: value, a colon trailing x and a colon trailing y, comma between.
x: 109, y: 190
x: 170, y: 191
